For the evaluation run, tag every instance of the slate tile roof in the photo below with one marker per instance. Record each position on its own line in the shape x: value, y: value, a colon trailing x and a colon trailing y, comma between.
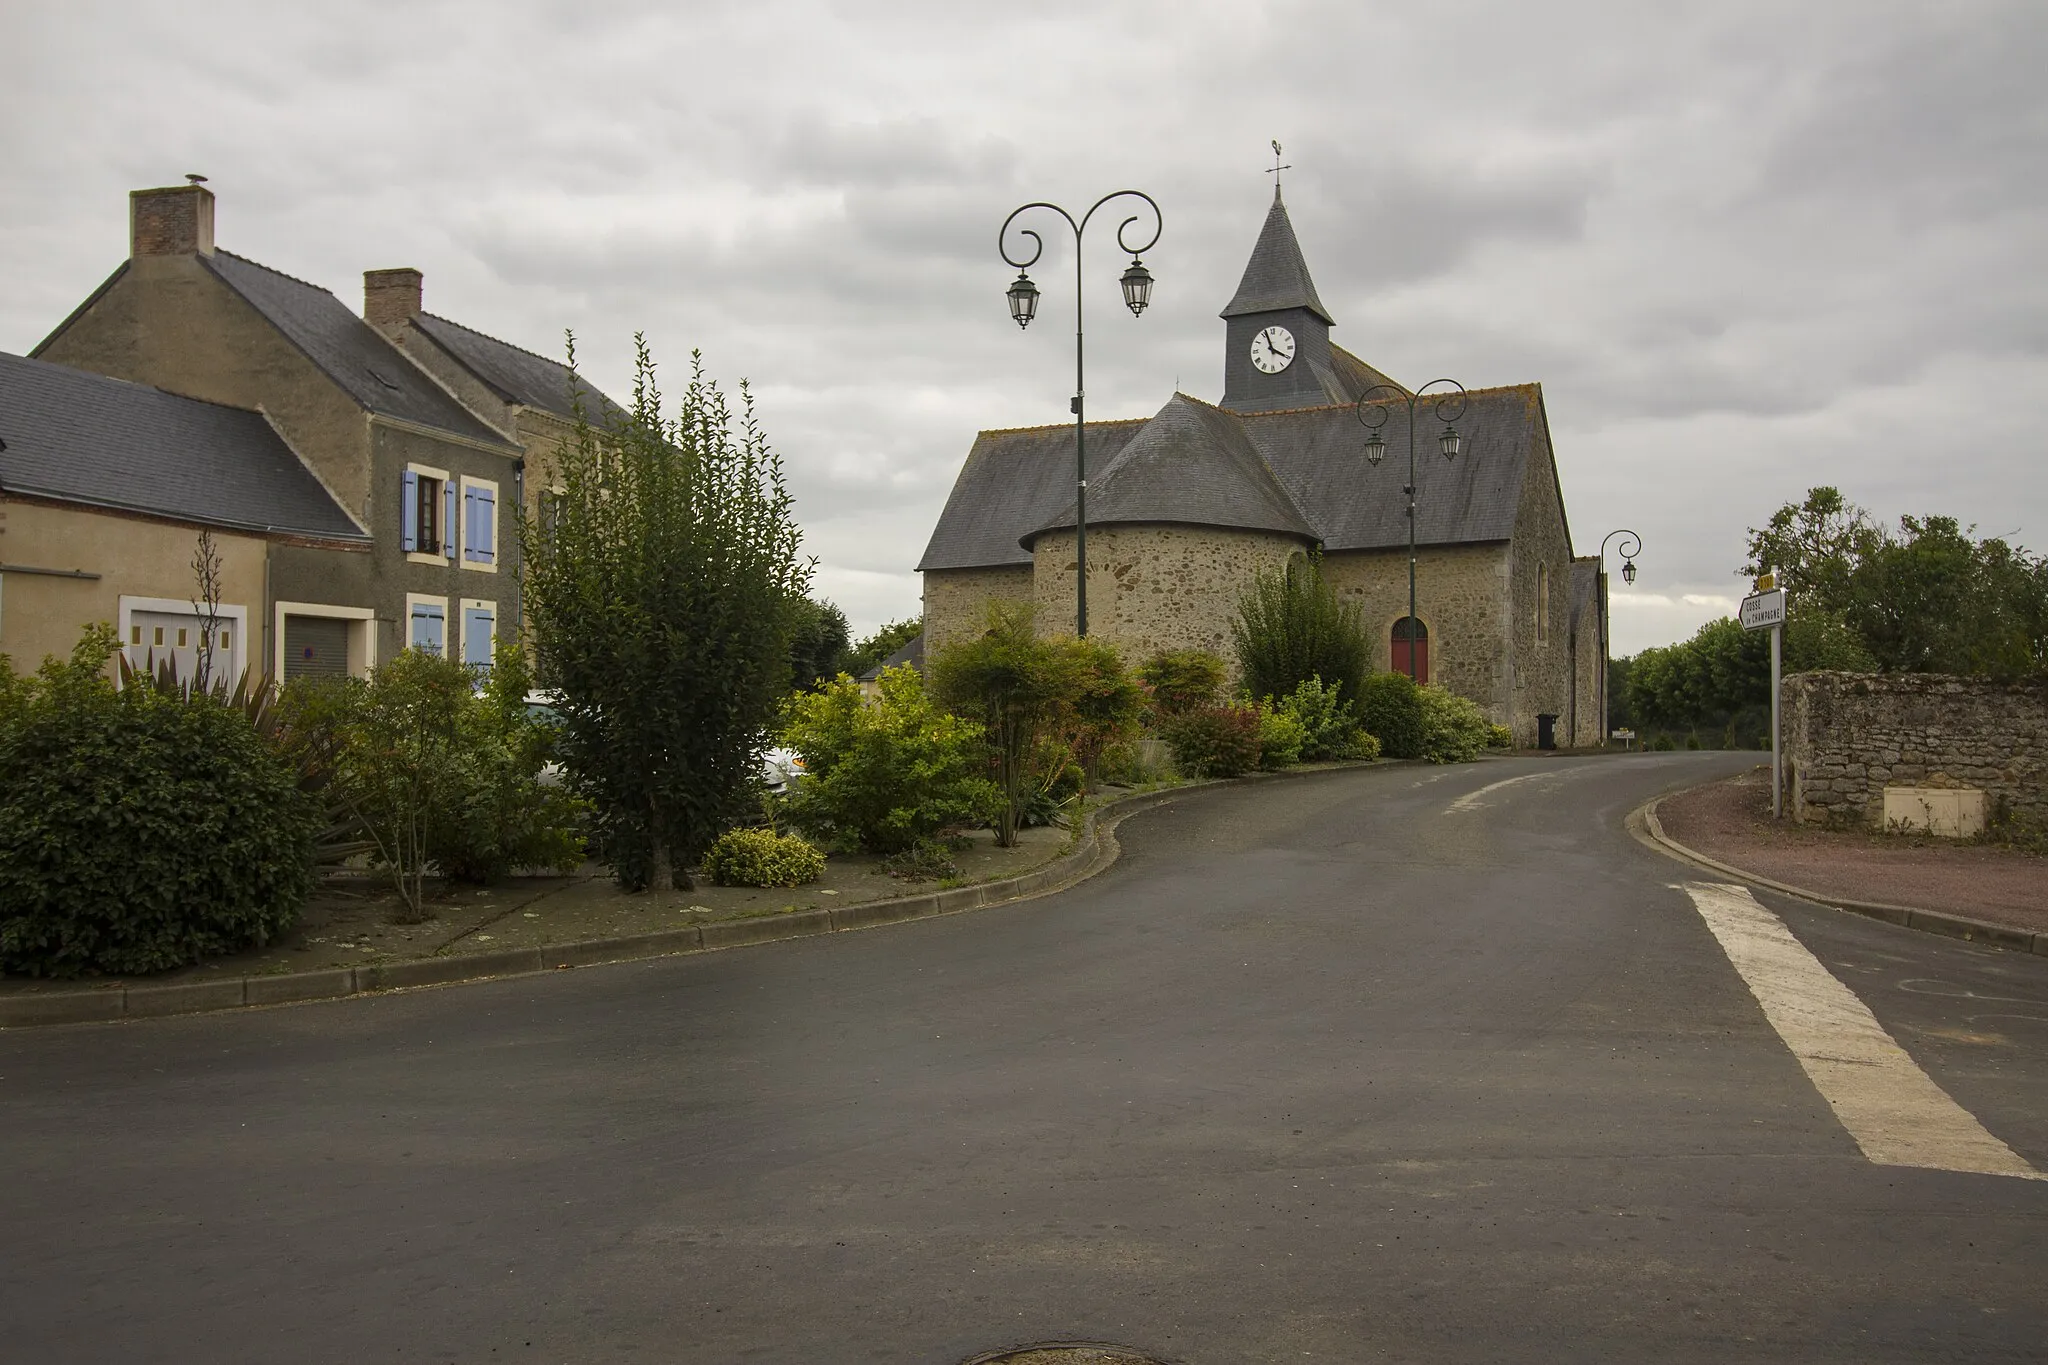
x: 1194, y: 465
x: 1277, y: 275
x: 348, y: 350
x: 911, y: 652
x: 1017, y: 482
x: 84, y: 438
x: 519, y: 376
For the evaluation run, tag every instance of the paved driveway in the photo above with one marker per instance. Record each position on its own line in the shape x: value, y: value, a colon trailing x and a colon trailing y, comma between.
x: 1397, y: 1065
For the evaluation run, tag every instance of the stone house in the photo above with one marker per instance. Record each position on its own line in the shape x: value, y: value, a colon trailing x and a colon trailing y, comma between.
x: 1184, y: 506
x: 420, y: 428
x: 105, y: 487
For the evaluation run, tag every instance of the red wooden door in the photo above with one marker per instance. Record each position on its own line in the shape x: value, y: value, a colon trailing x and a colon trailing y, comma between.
x: 1421, y: 646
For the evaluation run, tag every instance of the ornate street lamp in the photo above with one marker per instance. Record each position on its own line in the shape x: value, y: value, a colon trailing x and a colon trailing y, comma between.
x: 1374, y: 412
x: 1630, y: 548
x: 1023, y: 295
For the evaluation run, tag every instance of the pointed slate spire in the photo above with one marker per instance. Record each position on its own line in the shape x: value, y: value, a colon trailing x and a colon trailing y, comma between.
x: 1276, y: 277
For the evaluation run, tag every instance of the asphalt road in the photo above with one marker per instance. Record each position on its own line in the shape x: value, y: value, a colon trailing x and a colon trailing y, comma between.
x: 1392, y: 1065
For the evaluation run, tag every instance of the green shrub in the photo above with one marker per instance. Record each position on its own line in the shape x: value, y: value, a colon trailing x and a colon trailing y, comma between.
x: 1181, y: 680
x: 1390, y: 708
x: 1500, y: 737
x: 439, y: 776
x: 1454, y: 729
x: 924, y: 861
x: 761, y: 857
x: 1214, y: 741
x: 140, y: 831
x: 880, y: 777
x: 1291, y: 626
x: 1281, y: 737
x: 1329, y: 727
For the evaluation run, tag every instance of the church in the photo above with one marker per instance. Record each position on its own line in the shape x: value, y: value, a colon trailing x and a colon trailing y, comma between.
x: 1185, y: 506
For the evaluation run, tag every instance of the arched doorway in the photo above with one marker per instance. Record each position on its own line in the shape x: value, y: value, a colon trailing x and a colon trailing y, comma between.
x: 1420, y: 647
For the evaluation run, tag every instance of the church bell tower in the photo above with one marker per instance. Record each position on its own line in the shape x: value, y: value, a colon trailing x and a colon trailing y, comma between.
x: 1277, y: 331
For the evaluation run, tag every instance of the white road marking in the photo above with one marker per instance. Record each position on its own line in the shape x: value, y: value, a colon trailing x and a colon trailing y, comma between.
x: 1470, y: 800
x: 1894, y: 1110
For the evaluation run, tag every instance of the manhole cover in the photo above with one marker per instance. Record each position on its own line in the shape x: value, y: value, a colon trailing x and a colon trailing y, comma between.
x: 1066, y: 1353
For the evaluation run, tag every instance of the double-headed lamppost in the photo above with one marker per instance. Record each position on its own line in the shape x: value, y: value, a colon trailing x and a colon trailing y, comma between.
x: 1137, y: 286
x: 1630, y: 548
x: 1373, y: 412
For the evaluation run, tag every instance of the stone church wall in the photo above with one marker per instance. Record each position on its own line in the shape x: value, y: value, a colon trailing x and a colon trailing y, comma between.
x: 1155, y: 587
x: 956, y: 601
x: 1848, y: 736
x: 1540, y: 663
x: 1460, y: 596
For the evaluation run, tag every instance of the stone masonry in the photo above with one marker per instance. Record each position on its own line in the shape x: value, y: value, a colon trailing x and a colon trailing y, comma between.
x: 1848, y: 736
x: 1155, y: 587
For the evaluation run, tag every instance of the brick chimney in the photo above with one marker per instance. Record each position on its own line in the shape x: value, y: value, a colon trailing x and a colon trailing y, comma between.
x: 174, y: 221
x: 391, y: 298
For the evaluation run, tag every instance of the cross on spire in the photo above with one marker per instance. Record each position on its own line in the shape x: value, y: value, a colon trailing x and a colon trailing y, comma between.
x: 1277, y: 168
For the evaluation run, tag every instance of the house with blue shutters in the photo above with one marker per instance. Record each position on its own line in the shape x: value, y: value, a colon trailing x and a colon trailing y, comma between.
x: 425, y: 432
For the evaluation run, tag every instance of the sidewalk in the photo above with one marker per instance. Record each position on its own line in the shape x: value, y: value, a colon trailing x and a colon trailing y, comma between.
x: 1730, y: 822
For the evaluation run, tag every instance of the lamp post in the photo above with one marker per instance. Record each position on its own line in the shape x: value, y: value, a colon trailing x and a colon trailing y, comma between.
x: 1630, y: 548
x: 1023, y: 295
x: 1373, y: 412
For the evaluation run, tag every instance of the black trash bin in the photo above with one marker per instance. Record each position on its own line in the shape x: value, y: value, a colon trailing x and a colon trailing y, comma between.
x: 1546, y: 732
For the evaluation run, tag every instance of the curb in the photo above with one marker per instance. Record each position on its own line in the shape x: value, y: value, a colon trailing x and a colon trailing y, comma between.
x: 1095, y: 851
x: 1643, y: 823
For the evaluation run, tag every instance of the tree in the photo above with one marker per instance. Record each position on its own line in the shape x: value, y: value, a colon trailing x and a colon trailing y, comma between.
x: 882, y: 644
x: 1291, y: 626
x: 662, y: 597
x: 1813, y: 547
x: 206, y: 569
x: 817, y: 647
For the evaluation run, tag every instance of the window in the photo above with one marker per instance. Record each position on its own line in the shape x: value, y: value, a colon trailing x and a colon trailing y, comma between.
x: 426, y: 513
x: 1542, y: 603
x: 1404, y: 648
x: 479, y: 633
x: 479, y: 524
x: 427, y: 623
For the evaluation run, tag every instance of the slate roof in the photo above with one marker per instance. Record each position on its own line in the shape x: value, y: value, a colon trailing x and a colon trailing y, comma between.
x: 518, y: 376
x: 1276, y: 276
x: 911, y: 653
x: 1014, y: 481
x: 1191, y: 464
x: 80, y: 437
x: 1019, y: 482
x: 348, y: 350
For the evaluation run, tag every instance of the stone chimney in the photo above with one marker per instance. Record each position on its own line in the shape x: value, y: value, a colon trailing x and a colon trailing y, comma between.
x: 174, y: 221
x: 391, y: 298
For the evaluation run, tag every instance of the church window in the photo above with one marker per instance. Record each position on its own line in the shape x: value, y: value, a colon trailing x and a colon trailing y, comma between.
x: 1542, y: 603
x: 1415, y: 647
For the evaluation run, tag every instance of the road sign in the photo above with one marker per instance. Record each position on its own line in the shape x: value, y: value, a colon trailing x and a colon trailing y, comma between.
x: 1763, y: 609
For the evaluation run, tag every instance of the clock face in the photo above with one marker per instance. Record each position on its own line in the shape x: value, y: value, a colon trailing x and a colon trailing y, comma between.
x: 1273, y: 350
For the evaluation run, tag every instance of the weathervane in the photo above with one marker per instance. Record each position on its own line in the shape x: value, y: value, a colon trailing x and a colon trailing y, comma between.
x: 1277, y: 168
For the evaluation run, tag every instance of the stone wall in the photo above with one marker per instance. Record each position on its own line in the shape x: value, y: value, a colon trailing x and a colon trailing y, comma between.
x: 1540, y: 664
x: 1155, y: 587
x: 1848, y: 736
x: 956, y: 601
x: 1461, y: 596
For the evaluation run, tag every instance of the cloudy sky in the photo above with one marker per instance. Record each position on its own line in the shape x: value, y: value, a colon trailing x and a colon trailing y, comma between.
x: 1745, y: 248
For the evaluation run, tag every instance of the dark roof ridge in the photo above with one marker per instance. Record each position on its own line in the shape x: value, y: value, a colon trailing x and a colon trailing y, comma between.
x: 246, y: 260
x: 1430, y: 397
x: 508, y: 345
x: 1064, y: 426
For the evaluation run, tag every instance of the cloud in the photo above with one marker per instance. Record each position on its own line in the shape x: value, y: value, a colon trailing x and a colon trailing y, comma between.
x: 1745, y: 248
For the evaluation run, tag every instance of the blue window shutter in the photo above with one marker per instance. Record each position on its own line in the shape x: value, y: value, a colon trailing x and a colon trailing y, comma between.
x: 429, y: 627
x: 448, y: 518
x: 409, y: 510
x: 476, y: 637
x: 487, y: 525
x: 468, y: 522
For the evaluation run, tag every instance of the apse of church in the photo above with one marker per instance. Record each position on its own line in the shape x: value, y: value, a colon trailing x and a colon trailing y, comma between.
x: 1185, y: 506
